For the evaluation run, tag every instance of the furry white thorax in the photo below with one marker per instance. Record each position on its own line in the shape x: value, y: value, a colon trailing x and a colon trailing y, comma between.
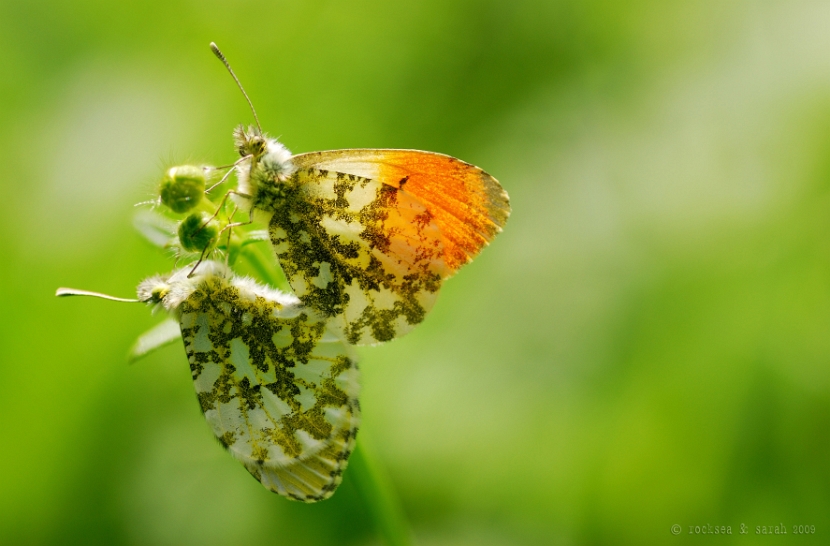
x: 170, y: 292
x: 275, y: 163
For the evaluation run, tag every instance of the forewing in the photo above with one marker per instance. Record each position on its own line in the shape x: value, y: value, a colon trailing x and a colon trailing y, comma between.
x: 278, y: 390
x: 364, y: 253
x: 468, y: 206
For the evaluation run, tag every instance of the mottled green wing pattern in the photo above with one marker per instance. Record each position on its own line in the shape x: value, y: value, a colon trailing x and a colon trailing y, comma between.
x: 276, y: 387
x: 363, y: 253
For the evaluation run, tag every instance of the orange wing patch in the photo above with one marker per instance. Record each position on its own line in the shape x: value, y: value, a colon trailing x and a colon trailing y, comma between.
x: 468, y: 206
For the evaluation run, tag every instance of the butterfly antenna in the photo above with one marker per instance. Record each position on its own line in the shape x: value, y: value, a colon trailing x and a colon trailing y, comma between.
x: 75, y: 292
x: 221, y: 57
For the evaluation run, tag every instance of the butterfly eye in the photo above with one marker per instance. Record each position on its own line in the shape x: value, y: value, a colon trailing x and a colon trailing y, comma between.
x: 197, y: 232
x: 249, y: 142
x: 158, y: 294
x: 183, y: 187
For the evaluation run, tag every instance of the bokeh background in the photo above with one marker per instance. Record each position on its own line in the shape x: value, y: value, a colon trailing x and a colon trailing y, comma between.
x: 646, y: 344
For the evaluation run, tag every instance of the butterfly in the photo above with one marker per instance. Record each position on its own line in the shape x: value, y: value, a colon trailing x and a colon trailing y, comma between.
x: 277, y: 387
x: 367, y: 236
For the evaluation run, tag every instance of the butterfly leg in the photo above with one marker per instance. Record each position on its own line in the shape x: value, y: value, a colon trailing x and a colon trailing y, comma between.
x: 228, y: 244
x: 201, y: 258
x: 225, y: 228
x: 230, y: 170
x: 228, y: 229
x: 235, y: 224
x: 222, y: 205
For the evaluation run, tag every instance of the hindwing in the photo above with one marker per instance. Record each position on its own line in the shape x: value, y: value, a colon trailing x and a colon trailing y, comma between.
x: 278, y: 389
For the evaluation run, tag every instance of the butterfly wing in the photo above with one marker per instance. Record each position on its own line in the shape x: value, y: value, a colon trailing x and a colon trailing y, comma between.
x: 368, y: 236
x: 278, y: 390
x: 468, y: 206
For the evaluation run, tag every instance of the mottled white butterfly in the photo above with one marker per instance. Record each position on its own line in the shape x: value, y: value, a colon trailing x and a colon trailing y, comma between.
x: 276, y: 385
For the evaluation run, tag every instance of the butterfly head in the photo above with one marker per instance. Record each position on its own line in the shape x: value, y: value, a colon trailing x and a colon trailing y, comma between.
x: 169, y: 291
x: 268, y: 164
x: 153, y: 291
x: 249, y: 142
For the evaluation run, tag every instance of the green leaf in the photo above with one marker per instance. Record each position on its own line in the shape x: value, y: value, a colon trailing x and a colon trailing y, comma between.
x: 164, y: 333
x: 156, y: 228
x: 255, y: 236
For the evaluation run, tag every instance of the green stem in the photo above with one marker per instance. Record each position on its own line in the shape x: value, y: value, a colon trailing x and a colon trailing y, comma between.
x: 378, y: 493
x: 263, y: 268
x: 367, y: 472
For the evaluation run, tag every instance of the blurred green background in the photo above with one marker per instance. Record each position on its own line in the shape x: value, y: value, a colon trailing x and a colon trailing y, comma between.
x: 647, y: 343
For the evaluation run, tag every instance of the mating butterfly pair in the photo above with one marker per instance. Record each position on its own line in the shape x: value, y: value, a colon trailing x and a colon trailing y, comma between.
x: 365, y: 238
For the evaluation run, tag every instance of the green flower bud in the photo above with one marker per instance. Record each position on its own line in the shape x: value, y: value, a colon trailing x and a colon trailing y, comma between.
x: 195, y: 238
x: 182, y: 187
